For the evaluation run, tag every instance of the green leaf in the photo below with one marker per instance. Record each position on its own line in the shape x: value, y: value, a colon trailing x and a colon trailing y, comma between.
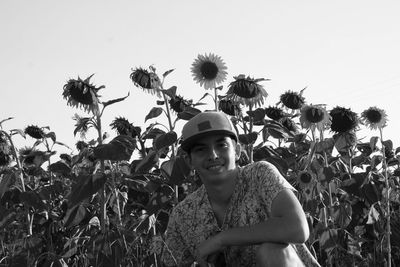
x: 110, y: 102
x: 18, y: 131
x: 146, y: 164
x: 167, y: 72
x: 120, y: 148
x: 52, y: 135
x: 176, y: 171
x: 60, y: 167
x: 32, y: 199
x: 154, y: 112
x: 328, y: 239
x: 159, y: 199
x: 188, y: 113
x: 86, y: 186
x: 6, y: 180
x: 342, y: 214
x: 165, y: 140
x: 248, y: 139
x: 74, y: 216
x: 171, y: 92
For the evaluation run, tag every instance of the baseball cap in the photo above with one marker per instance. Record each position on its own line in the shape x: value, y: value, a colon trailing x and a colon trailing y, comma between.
x: 205, y: 123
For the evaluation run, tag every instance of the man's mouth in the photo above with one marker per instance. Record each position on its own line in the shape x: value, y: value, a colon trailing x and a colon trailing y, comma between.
x: 214, y: 167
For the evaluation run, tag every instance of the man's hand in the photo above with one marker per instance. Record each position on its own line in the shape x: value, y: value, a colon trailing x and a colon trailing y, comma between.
x: 207, y: 251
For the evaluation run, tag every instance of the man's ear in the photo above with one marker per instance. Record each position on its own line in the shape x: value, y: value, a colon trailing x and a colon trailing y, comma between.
x: 238, y: 151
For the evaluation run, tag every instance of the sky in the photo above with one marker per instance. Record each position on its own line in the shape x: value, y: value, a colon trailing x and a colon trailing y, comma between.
x: 345, y: 52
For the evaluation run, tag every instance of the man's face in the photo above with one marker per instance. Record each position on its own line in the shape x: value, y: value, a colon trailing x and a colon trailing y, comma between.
x: 213, y: 157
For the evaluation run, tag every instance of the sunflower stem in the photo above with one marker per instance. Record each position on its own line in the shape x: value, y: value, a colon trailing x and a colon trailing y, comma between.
x: 216, y: 99
x: 250, y: 148
x: 388, y: 230
x: 102, y: 191
x: 21, y: 177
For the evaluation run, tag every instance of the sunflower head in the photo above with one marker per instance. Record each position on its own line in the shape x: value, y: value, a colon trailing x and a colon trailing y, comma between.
x: 374, y: 118
x: 209, y: 70
x: 81, y: 93
x: 314, y: 116
x: 343, y: 120
x: 5, y: 150
x: 292, y: 100
x: 122, y: 125
x: 274, y: 113
x: 34, y: 132
x: 289, y: 124
x: 148, y: 80
x: 229, y: 107
x: 247, y: 91
x: 305, y: 179
x: 80, y: 145
x: 178, y: 104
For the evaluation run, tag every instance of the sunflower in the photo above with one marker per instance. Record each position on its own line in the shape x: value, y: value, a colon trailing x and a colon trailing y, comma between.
x: 147, y: 80
x: 34, y: 132
x: 374, y: 118
x: 122, y: 125
x: 178, y: 104
x: 5, y: 150
x: 274, y: 113
x: 306, y: 179
x: 81, y: 93
x: 209, y: 70
x: 343, y: 120
x: 292, y: 100
x: 229, y: 107
x: 289, y: 124
x: 80, y: 145
x: 247, y: 91
x: 314, y: 116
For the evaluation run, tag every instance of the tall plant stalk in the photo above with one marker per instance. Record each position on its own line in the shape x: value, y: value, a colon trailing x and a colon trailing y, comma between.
x: 21, y: 177
x: 387, y: 185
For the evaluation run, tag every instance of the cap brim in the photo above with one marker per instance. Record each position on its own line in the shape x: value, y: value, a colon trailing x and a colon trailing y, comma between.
x: 187, y: 144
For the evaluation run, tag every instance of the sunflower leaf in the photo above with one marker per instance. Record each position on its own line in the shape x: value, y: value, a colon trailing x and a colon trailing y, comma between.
x: 165, y: 140
x: 18, y: 131
x: 147, y: 163
x: 5, y: 182
x: 87, y: 186
x: 167, y: 72
x: 154, y: 112
x: 10, y: 118
x: 110, y: 102
x: 188, y: 113
x: 120, y: 148
x: 52, y: 135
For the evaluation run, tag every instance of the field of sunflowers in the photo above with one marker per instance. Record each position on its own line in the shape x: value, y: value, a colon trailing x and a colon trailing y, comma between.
x: 108, y: 204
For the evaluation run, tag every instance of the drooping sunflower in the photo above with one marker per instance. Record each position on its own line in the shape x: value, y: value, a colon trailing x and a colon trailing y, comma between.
x: 5, y: 150
x: 209, y: 70
x: 343, y: 120
x: 148, y: 80
x: 34, y: 132
x: 81, y: 93
x: 289, y: 124
x: 314, y: 116
x: 229, y: 107
x: 274, y: 113
x: 247, y: 91
x: 178, y: 103
x: 80, y: 145
x: 292, y: 100
x: 122, y: 125
x: 374, y: 118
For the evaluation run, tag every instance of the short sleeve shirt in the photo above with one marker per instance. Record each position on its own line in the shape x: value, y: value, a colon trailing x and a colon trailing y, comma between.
x: 193, y: 221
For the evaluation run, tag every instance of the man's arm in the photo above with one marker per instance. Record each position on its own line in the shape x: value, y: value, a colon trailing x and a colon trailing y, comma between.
x: 287, y: 224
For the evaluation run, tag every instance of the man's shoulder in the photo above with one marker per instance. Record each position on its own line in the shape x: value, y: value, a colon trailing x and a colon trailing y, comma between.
x: 258, y: 165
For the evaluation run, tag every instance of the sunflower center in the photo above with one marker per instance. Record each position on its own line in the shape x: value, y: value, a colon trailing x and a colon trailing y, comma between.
x: 374, y: 116
x: 209, y: 70
x: 305, y: 177
x: 314, y: 115
x: 78, y: 95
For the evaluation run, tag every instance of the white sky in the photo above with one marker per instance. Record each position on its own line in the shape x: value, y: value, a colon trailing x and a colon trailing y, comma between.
x: 346, y: 52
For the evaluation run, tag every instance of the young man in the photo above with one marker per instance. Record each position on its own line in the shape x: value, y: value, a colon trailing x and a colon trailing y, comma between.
x: 240, y: 216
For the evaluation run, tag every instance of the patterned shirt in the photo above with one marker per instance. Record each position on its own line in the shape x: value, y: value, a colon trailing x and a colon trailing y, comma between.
x: 193, y: 221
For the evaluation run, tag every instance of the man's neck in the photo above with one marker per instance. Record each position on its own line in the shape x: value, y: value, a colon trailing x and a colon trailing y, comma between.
x: 221, y: 193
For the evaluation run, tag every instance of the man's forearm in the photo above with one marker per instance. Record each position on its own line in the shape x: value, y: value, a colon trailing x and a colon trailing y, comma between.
x: 277, y: 230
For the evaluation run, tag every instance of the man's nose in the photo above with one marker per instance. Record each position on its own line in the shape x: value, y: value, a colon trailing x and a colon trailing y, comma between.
x: 212, y: 153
